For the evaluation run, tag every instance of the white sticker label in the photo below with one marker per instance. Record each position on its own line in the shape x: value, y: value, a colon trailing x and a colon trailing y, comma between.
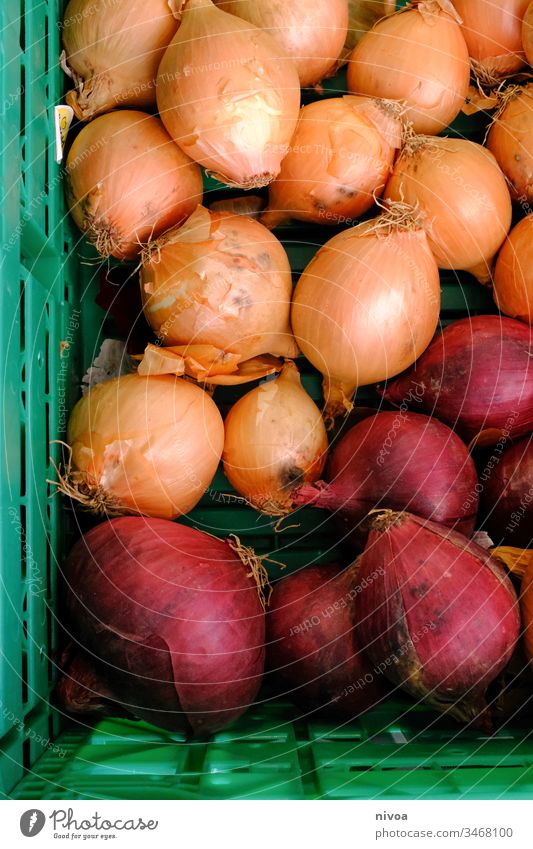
x: 63, y: 116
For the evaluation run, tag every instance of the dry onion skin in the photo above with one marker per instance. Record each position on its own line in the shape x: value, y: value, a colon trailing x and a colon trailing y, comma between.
x: 311, y: 32
x: 362, y: 15
x: 513, y: 275
x: 112, y: 51
x: 148, y: 445
x: 493, y: 33
x: 127, y: 181
x: 221, y: 280
x: 274, y: 440
x: 511, y: 141
x: 417, y: 56
x: 228, y: 95
x: 339, y: 160
x: 459, y: 187
x: 367, y: 305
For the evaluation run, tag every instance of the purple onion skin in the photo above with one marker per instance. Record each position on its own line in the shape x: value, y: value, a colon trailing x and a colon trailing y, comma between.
x: 477, y: 376
x: 507, y: 497
x: 400, y: 461
x: 441, y: 615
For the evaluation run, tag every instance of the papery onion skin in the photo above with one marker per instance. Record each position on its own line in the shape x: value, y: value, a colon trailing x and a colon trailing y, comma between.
x: 510, y: 140
x: 513, y: 274
x: 228, y: 95
x: 274, y: 439
x: 312, y: 651
x: 127, y: 182
x: 311, y: 32
x: 401, y: 461
x: 339, y: 160
x: 476, y: 376
x: 171, y: 620
x: 464, y: 195
x: 507, y: 498
x: 419, y: 57
x: 113, y: 51
x: 493, y: 34
x: 222, y: 280
x: 366, y: 306
x: 441, y: 608
x: 147, y: 445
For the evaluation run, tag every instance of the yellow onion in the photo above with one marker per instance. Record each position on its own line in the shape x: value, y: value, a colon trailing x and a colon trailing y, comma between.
x: 127, y: 181
x: 463, y: 193
x: 513, y: 274
x: 363, y: 14
x: 112, y: 52
x: 367, y: 305
x: 275, y: 439
x: 311, y: 32
x: 148, y: 445
x: 527, y: 33
x: 228, y: 95
x: 511, y: 140
x: 493, y: 33
x: 221, y: 280
x: 418, y: 56
x: 516, y: 560
x: 339, y: 160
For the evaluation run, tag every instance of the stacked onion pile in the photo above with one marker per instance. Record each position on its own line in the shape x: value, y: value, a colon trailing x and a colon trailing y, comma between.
x: 423, y: 608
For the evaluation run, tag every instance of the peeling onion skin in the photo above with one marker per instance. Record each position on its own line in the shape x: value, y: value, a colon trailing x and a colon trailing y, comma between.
x: 418, y: 57
x: 492, y: 30
x: 228, y: 96
x: 311, y: 32
x: 460, y: 188
x: 274, y: 439
x: 365, y: 307
x: 513, y: 275
x: 150, y: 444
x: 510, y: 140
x: 340, y: 158
x: 442, y: 608
x: 221, y: 280
x: 114, y: 50
x: 127, y: 182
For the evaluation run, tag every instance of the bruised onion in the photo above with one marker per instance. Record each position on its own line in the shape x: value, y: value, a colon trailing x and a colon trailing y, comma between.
x: 477, y: 376
x: 417, y: 56
x: 112, y: 52
x: 507, y: 497
x: 401, y: 461
x: 274, y: 439
x: 167, y: 622
x: 228, y: 95
x: 338, y: 162
x: 312, y: 650
x: 147, y: 445
x: 440, y: 613
x: 311, y: 32
x: 493, y: 34
x: 459, y: 187
x: 511, y: 141
x: 513, y: 275
x: 221, y: 280
x: 127, y: 182
x: 367, y: 304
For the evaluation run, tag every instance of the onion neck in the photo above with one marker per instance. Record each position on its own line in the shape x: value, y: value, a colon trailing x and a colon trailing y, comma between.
x: 326, y: 496
x: 482, y: 272
x: 337, y: 396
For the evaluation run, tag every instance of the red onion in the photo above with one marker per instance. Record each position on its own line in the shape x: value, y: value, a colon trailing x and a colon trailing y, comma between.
x: 399, y: 460
x: 171, y: 620
x: 477, y: 376
x: 311, y: 643
x: 507, y: 497
x: 441, y: 614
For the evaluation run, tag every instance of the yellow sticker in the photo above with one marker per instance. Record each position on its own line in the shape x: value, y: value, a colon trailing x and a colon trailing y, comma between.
x: 63, y: 115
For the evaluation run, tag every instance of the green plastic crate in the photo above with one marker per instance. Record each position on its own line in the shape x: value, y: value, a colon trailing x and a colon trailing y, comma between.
x: 47, y: 292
